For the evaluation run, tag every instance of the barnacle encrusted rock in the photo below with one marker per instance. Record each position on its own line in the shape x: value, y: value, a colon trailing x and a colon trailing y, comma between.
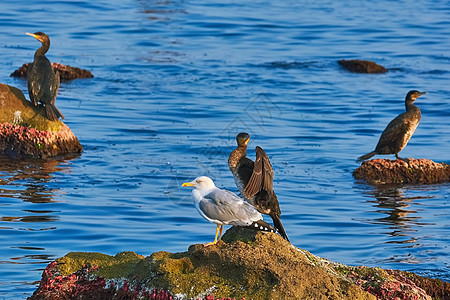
x: 418, y: 171
x: 26, y: 131
x: 245, y: 264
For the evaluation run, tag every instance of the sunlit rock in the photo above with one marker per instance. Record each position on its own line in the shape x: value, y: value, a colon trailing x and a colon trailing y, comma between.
x: 245, y: 264
x: 418, y: 171
x: 26, y: 131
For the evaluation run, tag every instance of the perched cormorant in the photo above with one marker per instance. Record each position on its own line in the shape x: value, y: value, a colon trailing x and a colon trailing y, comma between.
x: 43, y: 82
x: 398, y: 132
x: 255, y: 180
x: 223, y: 207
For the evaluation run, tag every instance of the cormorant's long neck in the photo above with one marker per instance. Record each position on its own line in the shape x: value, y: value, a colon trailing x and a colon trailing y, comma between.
x: 43, y: 49
x: 237, y: 154
x: 409, y: 104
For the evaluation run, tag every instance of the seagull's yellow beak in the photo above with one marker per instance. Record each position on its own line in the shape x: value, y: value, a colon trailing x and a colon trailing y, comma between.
x: 187, y: 184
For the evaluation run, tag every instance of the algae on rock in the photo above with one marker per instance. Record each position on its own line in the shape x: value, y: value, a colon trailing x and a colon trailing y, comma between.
x: 245, y: 264
x: 26, y: 131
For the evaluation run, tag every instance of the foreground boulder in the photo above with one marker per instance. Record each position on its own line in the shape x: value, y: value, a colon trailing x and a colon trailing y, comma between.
x: 419, y: 171
x: 26, y: 131
x: 246, y: 264
x: 361, y: 66
x: 66, y: 72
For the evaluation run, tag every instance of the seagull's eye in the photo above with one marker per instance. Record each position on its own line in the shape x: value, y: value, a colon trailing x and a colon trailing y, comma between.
x: 198, y: 181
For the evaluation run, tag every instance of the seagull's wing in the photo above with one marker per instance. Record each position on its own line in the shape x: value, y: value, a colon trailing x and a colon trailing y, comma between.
x: 226, y: 207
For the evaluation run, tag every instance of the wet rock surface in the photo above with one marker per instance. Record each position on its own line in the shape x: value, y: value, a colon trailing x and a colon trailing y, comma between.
x: 361, y: 66
x: 419, y: 171
x: 26, y: 131
x: 246, y: 264
x: 65, y: 72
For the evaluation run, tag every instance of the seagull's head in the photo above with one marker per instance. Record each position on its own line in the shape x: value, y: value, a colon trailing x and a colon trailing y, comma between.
x: 201, y: 183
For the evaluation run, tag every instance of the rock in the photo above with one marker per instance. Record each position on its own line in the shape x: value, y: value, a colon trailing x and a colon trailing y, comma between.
x: 361, y: 66
x: 265, y: 266
x: 26, y: 131
x: 386, y: 171
x: 65, y: 72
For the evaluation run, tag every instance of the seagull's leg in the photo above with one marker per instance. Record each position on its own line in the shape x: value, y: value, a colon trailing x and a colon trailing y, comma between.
x: 220, y: 233
x: 215, y: 239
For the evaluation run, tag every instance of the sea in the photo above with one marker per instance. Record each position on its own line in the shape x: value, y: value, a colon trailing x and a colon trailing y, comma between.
x: 176, y: 80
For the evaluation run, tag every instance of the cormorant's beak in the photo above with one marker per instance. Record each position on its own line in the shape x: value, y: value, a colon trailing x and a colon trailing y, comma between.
x: 421, y: 93
x: 187, y: 184
x: 31, y: 34
x: 246, y: 141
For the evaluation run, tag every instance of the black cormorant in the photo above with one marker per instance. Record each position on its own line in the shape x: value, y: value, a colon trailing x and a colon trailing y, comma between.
x: 43, y: 82
x: 255, y: 180
x: 398, y: 132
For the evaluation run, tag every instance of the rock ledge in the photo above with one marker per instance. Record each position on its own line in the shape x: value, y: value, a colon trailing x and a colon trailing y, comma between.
x: 419, y: 171
x: 26, y: 132
x: 246, y: 264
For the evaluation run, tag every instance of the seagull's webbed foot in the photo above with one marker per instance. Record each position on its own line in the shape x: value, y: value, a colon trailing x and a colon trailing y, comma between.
x: 219, y: 230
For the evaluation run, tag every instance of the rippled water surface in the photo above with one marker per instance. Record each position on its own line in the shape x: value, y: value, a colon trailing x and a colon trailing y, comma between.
x: 175, y: 81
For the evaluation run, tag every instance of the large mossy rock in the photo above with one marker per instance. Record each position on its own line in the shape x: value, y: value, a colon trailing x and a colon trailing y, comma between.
x: 245, y: 264
x: 418, y: 171
x: 26, y: 131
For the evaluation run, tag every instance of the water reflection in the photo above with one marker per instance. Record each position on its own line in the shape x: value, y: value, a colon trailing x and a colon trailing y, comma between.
x: 28, y: 180
x: 400, y: 212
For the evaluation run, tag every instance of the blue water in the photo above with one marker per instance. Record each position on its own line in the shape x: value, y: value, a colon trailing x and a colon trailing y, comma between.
x: 175, y: 81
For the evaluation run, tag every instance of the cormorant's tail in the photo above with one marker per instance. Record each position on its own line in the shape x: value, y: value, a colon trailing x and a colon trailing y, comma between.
x: 279, y: 226
x: 262, y: 226
x: 366, y: 156
x: 53, y: 113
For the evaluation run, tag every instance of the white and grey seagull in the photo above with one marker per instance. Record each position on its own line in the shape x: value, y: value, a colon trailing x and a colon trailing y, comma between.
x: 223, y: 207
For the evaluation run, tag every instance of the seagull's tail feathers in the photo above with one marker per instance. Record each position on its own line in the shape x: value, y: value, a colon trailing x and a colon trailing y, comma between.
x: 262, y: 226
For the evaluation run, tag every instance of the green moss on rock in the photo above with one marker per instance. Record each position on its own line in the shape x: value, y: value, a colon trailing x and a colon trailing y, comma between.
x: 15, y: 109
x: 26, y: 131
x: 120, y: 265
x: 265, y: 266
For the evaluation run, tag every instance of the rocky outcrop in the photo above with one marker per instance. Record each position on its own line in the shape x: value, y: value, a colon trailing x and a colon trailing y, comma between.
x: 361, y: 66
x: 416, y: 171
x: 65, y: 72
x: 26, y: 131
x: 245, y: 264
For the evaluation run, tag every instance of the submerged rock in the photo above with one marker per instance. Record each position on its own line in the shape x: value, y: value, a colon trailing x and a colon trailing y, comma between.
x: 419, y: 171
x: 245, y: 264
x: 65, y: 72
x: 361, y: 66
x: 26, y: 131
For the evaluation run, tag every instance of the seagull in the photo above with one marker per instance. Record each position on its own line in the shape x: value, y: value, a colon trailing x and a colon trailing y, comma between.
x: 222, y: 207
